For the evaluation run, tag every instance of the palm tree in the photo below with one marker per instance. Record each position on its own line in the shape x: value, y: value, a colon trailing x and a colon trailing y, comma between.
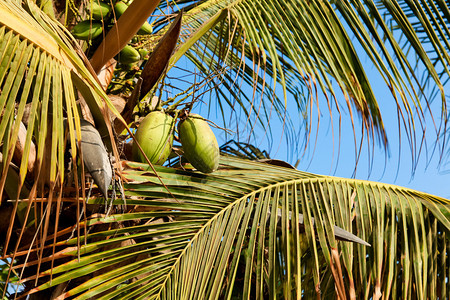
x: 255, y: 228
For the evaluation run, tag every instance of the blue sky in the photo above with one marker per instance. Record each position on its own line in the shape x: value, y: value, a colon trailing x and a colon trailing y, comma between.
x: 394, y: 167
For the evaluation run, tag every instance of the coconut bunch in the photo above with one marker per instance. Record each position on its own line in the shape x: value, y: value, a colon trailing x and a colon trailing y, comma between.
x: 155, y: 135
x: 101, y: 16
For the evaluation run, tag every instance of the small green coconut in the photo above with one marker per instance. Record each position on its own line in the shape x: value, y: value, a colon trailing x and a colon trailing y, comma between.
x: 86, y: 30
x: 129, y: 55
x: 154, y: 134
x: 100, y: 10
x: 120, y: 9
x: 199, y: 144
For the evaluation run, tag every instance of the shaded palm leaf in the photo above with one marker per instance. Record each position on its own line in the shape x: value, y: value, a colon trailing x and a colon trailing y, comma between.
x: 96, y: 158
x: 41, y: 65
x: 235, y: 233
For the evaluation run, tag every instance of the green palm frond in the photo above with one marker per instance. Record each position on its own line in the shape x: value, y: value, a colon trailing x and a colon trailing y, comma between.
x: 430, y: 21
x: 41, y: 68
x: 249, y: 230
x: 243, y: 150
x: 236, y: 234
x: 40, y: 61
x: 270, y: 56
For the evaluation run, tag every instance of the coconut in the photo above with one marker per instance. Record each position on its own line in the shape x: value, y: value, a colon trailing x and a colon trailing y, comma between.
x: 199, y: 144
x: 154, y: 135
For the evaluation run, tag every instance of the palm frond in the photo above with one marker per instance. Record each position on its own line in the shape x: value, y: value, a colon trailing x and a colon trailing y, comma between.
x: 42, y: 68
x: 430, y: 21
x: 275, y: 55
x: 39, y: 60
x: 243, y: 150
x: 238, y: 233
x: 249, y: 230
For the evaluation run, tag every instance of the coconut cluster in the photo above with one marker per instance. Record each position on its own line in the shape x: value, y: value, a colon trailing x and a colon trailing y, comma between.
x: 155, y: 137
x: 101, y: 17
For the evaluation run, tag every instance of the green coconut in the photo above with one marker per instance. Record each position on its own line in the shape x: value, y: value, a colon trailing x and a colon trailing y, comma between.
x: 199, y: 144
x: 100, y: 10
x: 154, y: 134
x: 143, y: 53
x: 128, y: 55
x: 120, y: 9
x: 86, y: 30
